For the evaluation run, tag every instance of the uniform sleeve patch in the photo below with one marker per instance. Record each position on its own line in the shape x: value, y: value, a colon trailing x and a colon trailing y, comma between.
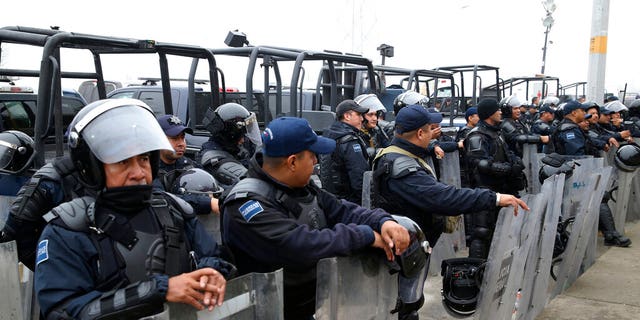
x: 571, y: 136
x: 43, y: 252
x: 357, y: 148
x: 249, y: 209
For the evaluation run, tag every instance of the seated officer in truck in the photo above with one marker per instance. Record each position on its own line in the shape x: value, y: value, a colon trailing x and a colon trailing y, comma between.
x: 234, y: 138
x: 277, y: 218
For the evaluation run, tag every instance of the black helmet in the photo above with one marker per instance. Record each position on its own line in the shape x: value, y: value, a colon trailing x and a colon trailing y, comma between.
x: 634, y: 108
x: 628, y: 157
x: 230, y: 122
x: 16, y: 151
x: 462, y: 278
x: 507, y: 103
x: 112, y: 130
x: 553, y: 164
x: 198, y: 182
x: 414, y: 259
x: 408, y: 98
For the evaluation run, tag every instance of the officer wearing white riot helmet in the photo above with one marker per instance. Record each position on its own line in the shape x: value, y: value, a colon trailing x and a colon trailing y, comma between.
x: 127, y: 251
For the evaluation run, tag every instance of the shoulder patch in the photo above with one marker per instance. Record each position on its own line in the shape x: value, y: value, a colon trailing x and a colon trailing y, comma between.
x: 43, y: 251
x: 357, y: 148
x: 250, y: 209
x: 571, y: 136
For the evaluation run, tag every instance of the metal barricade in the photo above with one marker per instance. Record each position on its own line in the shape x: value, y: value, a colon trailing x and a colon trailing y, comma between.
x: 355, y: 287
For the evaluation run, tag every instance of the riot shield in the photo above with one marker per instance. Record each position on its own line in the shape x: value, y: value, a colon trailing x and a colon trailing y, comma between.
x: 444, y: 249
x: 582, y: 231
x: 11, y: 303
x: 249, y: 297
x: 450, y: 174
x: 622, y: 196
x: 503, y: 275
x: 633, y: 209
x: 573, y: 192
x: 537, y: 270
x: 355, y: 287
x: 366, y: 189
x: 531, y: 159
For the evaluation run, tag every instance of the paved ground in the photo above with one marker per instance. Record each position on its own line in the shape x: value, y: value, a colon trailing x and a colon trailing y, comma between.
x: 610, y: 289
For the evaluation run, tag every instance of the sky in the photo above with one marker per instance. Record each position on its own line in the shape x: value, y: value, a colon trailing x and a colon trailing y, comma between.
x: 425, y: 33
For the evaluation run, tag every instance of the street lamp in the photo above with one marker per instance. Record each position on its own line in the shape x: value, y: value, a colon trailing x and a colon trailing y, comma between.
x: 547, y: 22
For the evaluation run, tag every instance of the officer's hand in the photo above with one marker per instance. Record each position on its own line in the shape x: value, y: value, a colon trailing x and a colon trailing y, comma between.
x: 544, y: 139
x: 510, y: 200
x: 461, y: 144
x: 439, y: 152
x: 380, y: 243
x: 613, y: 142
x: 186, y: 288
x: 625, y: 134
x: 395, y: 235
x: 215, y: 208
x: 216, y: 297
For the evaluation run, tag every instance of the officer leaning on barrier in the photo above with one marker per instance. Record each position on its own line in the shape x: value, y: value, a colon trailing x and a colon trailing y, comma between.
x: 403, y: 183
x: 234, y: 138
x: 277, y: 218
x: 490, y: 164
x: 52, y: 184
x: 341, y: 171
x: 173, y: 163
x: 127, y: 251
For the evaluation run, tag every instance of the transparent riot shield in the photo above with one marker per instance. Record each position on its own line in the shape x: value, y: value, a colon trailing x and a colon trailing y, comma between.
x: 504, y: 272
x: 583, y: 228
x: 355, y: 287
x: 531, y: 159
x: 576, y: 183
x: 211, y: 223
x: 633, y: 209
x: 11, y: 304
x: 622, y: 195
x: 450, y: 174
x: 535, y: 285
x: 5, y: 204
x: 366, y: 189
x: 249, y: 297
x: 444, y: 249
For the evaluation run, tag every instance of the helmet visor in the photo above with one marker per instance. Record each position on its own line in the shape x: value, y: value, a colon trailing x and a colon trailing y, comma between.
x: 124, y: 132
x: 7, y: 150
x: 253, y: 131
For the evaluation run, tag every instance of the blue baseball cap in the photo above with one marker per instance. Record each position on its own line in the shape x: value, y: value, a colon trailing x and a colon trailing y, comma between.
x: 471, y: 111
x: 172, y: 125
x: 572, y: 105
x: 414, y: 117
x: 289, y: 135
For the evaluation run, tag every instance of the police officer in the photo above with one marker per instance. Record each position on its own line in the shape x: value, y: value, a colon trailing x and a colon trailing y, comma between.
x: 127, y: 251
x: 341, y: 171
x: 471, y: 116
x: 234, y: 138
x: 52, y: 184
x: 543, y: 126
x: 277, y: 218
x: 515, y: 131
x: 405, y: 184
x: 492, y: 165
x: 569, y: 139
x: 174, y: 163
x: 374, y: 125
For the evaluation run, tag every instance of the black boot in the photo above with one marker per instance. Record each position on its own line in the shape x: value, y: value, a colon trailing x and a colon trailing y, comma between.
x: 408, y: 311
x: 608, y: 228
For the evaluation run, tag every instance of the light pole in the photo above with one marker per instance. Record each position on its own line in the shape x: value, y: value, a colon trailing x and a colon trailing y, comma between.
x: 547, y: 22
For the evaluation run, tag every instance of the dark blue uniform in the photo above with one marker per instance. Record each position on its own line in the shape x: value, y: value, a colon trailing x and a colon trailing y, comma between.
x: 569, y: 139
x: 542, y: 128
x: 418, y: 195
x: 72, y: 270
x: 275, y: 227
x: 341, y: 171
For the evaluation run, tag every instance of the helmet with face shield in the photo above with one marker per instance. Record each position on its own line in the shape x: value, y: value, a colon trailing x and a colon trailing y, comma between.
x: 230, y: 122
x: 16, y: 151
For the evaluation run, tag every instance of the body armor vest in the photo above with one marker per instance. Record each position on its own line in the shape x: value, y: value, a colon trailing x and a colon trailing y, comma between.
x: 333, y: 173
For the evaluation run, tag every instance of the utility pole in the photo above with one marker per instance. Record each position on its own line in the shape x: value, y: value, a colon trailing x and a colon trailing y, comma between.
x: 598, y: 51
x: 547, y: 22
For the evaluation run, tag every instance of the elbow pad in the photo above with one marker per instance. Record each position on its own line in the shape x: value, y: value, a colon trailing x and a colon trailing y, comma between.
x: 494, y: 168
x: 230, y: 172
x: 136, y: 300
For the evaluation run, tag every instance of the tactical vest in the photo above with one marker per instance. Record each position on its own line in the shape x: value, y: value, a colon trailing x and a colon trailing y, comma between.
x: 408, y: 163
x: 132, y: 255
x: 497, y: 149
x: 333, y: 172
x: 558, y: 145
